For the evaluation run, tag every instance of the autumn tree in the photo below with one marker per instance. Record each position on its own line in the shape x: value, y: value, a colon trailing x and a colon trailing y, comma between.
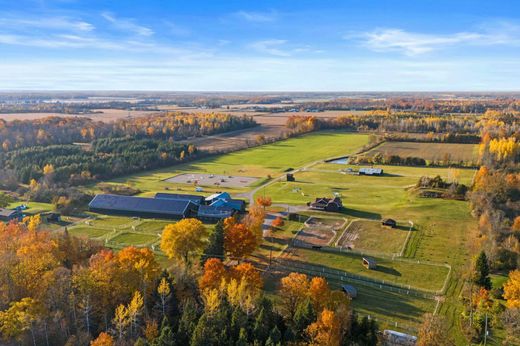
x: 184, y: 239
x: 293, y: 291
x: 320, y: 293
x: 20, y: 318
x: 434, y: 332
x: 214, y: 273
x: 239, y: 241
x: 512, y: 289
x: 277, y: 222
x: 326, y: 330
x: 103, y: 339
x: 163, y: 289
x: 264, y: 201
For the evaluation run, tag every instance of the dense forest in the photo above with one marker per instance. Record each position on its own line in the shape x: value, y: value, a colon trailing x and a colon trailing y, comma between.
x: 56, y: 289
x: 67, y: 130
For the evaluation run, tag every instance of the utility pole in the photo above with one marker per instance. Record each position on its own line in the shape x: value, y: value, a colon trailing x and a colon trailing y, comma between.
x: 485, y: 331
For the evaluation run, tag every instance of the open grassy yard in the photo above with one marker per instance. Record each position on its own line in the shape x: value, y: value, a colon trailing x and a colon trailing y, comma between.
x: 369, y: 235
x: 416, y: 275
x: 259, y: 162
x: 136, y: 239
x: 452, y: 152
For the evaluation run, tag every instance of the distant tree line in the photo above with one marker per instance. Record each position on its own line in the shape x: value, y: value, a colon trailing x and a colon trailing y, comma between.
x: 67, y: 130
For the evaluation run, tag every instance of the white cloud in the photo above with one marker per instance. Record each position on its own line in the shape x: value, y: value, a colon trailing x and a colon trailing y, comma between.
x: 125, y: 24
x: 53, y: 23
x: 257, y: 17
x: 272, y: 47
x: 413, y: 43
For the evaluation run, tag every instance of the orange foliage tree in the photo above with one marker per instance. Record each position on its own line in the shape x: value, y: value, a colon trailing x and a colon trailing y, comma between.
x: 239, y: 241
x: 326, y: 330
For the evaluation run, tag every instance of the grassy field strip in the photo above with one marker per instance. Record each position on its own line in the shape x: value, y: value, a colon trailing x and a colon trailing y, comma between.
x: 391, y: 306
x: 403, y: 273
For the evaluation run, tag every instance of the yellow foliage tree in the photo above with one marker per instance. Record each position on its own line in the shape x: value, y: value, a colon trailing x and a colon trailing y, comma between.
x: 48, y: 169
x: 293, y: 291
x: 326, y: 330
x: 183, y: 239
x: 121, y: 320
x: 512, y: 289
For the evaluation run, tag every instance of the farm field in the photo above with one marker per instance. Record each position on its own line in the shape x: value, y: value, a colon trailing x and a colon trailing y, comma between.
x: 417, y: 275
x: 453, y: 152
x: 368, y: 235
x: 270, y: 159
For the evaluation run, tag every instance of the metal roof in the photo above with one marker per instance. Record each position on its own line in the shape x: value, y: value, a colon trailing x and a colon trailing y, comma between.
x: 371, y: 171
x: 181, y: 197
x: 216, y: 212
x: 140, y: 204
x: 8, y: 212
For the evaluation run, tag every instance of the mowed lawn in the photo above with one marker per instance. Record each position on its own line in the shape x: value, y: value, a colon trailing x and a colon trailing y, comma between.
x: 453, y: 152
x: 270, y: 159
x: 417, y: 275
x: 368, y: 235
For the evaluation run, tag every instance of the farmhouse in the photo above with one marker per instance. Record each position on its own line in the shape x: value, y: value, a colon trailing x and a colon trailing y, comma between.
x: 9, y: 214
x: 370, y: 171
x: 326, y: 204
x: 143, y: 207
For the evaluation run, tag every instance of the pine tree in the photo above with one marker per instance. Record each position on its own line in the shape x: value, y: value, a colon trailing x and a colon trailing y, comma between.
x: 165, y: 337
x: 275, y: 336
x: 215, y: 247
x: 304, y: 316
x: 242, y: 338
x: 187, y: 324
x: 482, y: 271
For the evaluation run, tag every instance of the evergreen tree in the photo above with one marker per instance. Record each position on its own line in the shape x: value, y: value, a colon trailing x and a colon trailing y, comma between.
x: 275, y: 336
x: 238, y: 321
x: 242, y: 338
x: 165, y: 337
x: 215, y: 247
x: 187, y: 324
x: 482, y: 271
x: 304, y: 316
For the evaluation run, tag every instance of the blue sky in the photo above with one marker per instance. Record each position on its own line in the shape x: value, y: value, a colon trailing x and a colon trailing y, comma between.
x: 354, y: 45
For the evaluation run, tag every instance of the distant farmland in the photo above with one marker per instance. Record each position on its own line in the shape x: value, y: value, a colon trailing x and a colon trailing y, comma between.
x: 455, y: 152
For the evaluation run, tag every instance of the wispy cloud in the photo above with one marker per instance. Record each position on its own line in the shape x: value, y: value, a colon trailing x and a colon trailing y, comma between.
x: 414, y: 43
x: 272, y: 47
x: 52, y: 23
x: 126, y: 24
x: 256, y: 17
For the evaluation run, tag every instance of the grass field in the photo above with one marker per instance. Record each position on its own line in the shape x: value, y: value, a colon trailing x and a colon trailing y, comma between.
x: 271, y: 159
x: 368, y: 235
x: 420, y: 276
x: 452, y: 152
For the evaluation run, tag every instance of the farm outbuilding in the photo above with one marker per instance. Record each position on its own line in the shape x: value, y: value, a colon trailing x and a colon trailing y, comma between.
x: 389, y: 222
x: 369, y: 263
x: 143, y: 207
x: 393, y: 337
x: 371, y: 171
x: 350, y: 290
x: 10, y: 214
x: 181, y: 197
x: 212, y: 214
x: 290, y: 177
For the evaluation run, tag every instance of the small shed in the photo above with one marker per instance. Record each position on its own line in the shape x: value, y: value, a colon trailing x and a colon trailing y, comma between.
x: 393, y: 337
x: 51, y: 217
x: 290, y: 177
x: 370, y: 171
x: 369, y: 263
x: 10, y: 214
x: 389, y: 222
x: 350, y: 290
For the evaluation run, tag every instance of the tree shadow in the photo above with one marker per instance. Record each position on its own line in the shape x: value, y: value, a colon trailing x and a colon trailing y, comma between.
x: 361, y: 214
x: 387, y: 270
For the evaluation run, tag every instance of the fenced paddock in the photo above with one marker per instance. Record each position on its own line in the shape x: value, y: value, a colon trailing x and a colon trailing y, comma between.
x: 204, y: 179
x: 319, y: 231
x: 371, y: 235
